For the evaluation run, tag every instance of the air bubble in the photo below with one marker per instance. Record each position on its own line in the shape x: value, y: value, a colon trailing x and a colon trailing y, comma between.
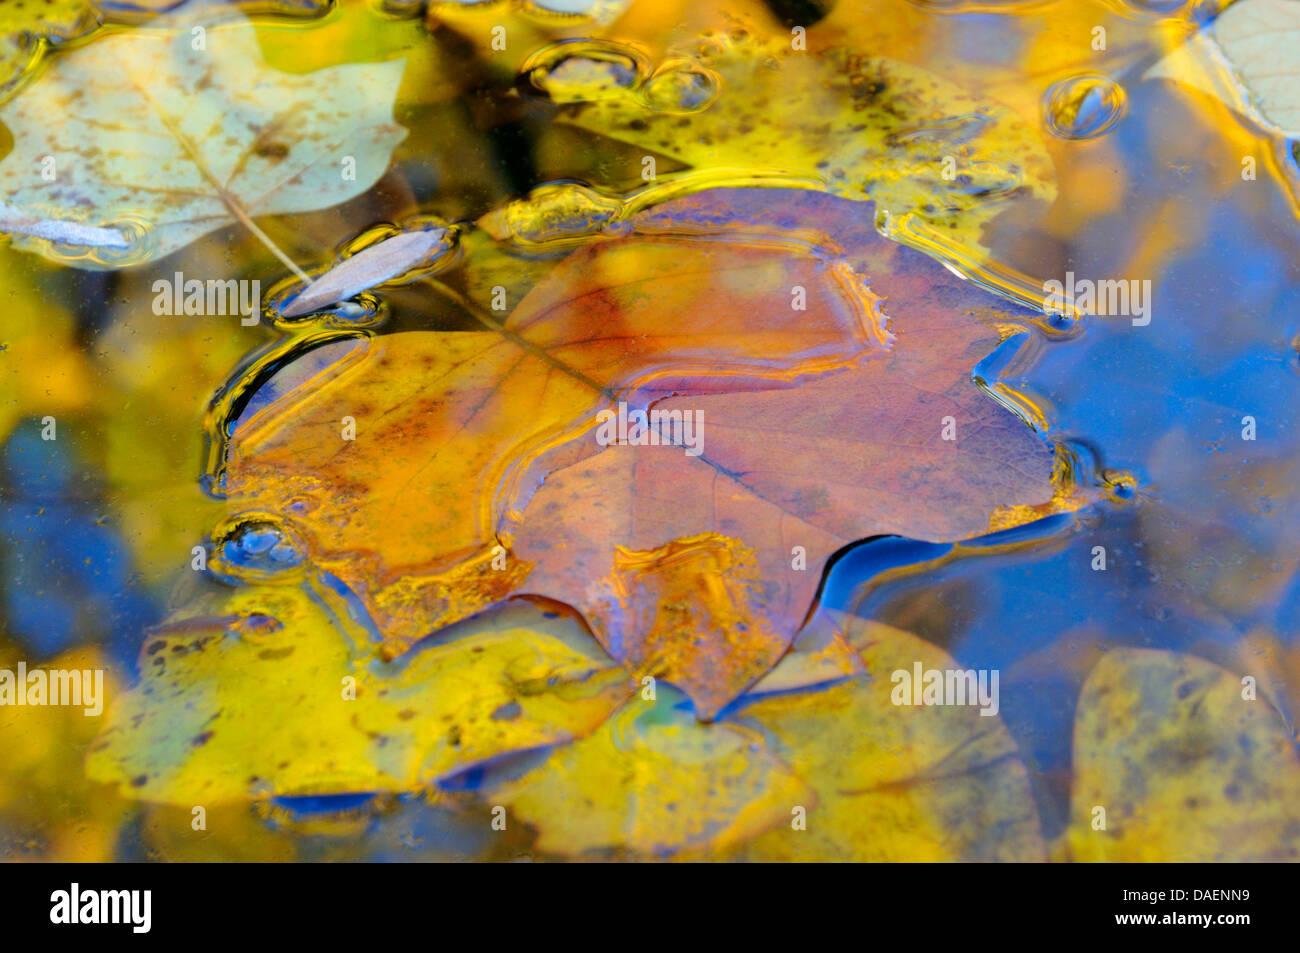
x: 1084, y: 106
x: 254, y: 548
x: 586, y: 71
x: 680, y: 87
x: 555, y: 212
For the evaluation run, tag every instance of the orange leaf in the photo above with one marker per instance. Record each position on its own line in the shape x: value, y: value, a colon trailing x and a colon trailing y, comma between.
x: 815, y: 436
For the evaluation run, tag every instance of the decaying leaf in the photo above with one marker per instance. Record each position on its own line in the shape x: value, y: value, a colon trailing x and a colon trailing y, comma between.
x: 202, y: 135
x: 914, y: 144
x: 268, y: 696
x: 1182, y: 764
x: 684, y: 563
x: 795, y: 771
x: 1249, y: 57
x: 386, y: 260
x: 654, y: 781
x: 892, y: 782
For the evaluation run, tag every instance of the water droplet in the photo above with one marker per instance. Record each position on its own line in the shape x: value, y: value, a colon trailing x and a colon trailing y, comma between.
x: 1060, y: 321
x: 586, y: 71
x: 1119, y: 486
x: 1084, y: 106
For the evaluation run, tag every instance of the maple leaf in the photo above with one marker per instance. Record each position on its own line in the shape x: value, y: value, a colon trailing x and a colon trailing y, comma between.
x: 201, y: 135
x: 816, y: 436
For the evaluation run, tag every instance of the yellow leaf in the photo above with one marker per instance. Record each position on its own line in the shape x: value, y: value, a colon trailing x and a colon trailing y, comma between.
x: 270, y: 698
x: 860, y: 128
x: 893, y: 782
x: 49, y: 810
x: 654, y: 781
x: 203, y: 135
x: 1184, y: 767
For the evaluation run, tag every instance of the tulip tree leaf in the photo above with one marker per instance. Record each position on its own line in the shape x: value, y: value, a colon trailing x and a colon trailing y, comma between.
x: 815, y: 435
x: 1249, y: 57
x: 201, y: 135
x: 863, y: 128
x: 251, y: 700
x: 797, y: 773
x: 893, y: 782
x: 654, y: 781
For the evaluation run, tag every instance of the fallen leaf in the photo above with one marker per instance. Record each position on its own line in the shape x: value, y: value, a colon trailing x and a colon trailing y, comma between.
x: 1186, y: 768
x: 654, y: 782
x: 1248, y: 57
x: 373, y: 265
x: 863, y: 128
x: 683, y: 565
x: 249, y: 701
x: 200, y: 137
x: 794, y: 771
x: 892, y: 782
x: 814, y: 437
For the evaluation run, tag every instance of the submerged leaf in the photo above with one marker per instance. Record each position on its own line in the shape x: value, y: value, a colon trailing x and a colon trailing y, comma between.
x: 268, y: 697
x: 813, y: 437
x: 1186, y: 765
x: 28, y: 27
x: 200, y: 137
x: 48, y: 810
x: 654, y: 781
x: 876, y: 129
x: 894, y: 782
x: 803, y: 772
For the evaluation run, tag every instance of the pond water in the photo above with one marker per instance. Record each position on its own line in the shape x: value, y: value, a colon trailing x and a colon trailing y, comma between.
x: 1174, y: 423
